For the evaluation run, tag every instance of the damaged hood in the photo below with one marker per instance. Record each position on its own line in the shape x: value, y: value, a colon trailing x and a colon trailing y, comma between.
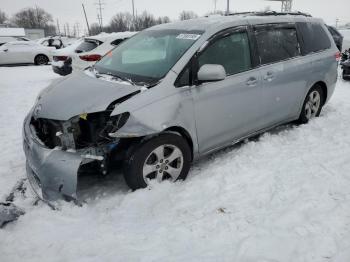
x: 78, y: 94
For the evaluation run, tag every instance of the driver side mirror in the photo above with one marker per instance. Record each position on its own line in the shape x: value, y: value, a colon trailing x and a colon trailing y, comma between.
x: 211, y: 73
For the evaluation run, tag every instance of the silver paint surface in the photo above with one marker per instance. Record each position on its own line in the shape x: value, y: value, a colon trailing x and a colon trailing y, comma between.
x: 214, y: 114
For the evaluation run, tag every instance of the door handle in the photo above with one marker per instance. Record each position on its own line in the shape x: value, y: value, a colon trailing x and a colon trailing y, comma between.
x: 269, y: 76
x: 252, y: 81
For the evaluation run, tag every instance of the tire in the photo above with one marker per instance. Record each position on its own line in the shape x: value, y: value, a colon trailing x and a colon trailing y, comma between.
x: 154, y: 158
x: 41, y: 60
x: 312, y: 105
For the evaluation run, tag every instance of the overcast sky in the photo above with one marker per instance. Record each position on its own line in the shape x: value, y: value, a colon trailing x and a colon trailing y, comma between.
x: 71, y: 11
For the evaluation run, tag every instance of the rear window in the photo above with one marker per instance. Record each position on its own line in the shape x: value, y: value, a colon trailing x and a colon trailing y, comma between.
x: 313, y: 37
x: 333, y: 31
x: 87, y: 45
x: 276, y: 44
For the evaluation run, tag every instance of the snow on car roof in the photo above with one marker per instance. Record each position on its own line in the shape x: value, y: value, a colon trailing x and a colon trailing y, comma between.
x: 111, y: 36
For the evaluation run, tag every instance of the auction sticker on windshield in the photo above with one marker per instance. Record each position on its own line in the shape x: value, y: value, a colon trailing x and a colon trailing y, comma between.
x: 188, y: 36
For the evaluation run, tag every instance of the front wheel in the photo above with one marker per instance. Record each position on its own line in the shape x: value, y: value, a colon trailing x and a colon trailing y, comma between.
x: 163, y: 157
x: 312, y: 105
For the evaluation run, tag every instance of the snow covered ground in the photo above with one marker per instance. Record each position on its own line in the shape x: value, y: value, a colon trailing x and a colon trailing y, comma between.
x: 282, y: 197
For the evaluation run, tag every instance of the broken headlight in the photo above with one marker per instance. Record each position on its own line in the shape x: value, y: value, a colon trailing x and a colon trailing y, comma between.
x: 93, y: 129
x: 116, y: 122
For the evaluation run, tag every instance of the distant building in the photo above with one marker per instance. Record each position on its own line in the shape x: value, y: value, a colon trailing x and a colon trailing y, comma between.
x: 15, y: 32
x: 32, y: 34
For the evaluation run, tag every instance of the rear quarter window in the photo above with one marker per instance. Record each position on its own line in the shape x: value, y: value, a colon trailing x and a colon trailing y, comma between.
x: 313, y: 37
x: 276, y: 43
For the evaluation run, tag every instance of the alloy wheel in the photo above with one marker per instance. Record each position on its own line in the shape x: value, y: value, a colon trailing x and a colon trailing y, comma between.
x: 313, y: 104
x: 163, y: 163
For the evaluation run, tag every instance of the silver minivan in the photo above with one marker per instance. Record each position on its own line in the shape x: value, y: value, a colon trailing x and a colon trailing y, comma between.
x: 176, y: 92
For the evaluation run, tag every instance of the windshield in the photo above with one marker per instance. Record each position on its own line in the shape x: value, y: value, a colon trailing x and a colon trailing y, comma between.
x: 148, y: 56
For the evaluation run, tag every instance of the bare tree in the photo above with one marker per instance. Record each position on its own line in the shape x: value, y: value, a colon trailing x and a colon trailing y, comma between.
x: 185, y: 15
x: 144, y: 21
x: 125, y: 22
x: 121, y: 22
x: 3, y: 17
x: 163, y: 20
x: 95, y: 29
x: 32, y: 18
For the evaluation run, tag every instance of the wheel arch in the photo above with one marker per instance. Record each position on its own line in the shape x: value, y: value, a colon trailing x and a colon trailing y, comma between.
x: 185, y: 134
x: 324, y: 88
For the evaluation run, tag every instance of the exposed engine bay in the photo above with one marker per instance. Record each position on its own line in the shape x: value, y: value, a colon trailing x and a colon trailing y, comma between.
x: 86, y: 134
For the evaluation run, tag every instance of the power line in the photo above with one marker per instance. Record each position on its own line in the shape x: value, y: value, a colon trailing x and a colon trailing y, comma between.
x: 100, y: 5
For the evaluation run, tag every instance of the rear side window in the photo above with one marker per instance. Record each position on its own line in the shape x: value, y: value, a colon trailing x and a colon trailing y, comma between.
x: 313, y: 37
x: 117, y: 42
x: 232, y: 52
x: 276, y: 44
x: 87, y: 45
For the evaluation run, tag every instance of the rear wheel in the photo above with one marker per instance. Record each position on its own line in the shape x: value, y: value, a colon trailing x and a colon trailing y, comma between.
x: 41, y: 60
x: 164, y: 157
x: 312, y: 105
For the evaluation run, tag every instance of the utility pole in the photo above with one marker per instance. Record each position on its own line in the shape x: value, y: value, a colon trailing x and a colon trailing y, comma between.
x: 336, y: 23
x: 133, y: 14
x: 228, y: 7
x: 77, y: 25
x: 67, y: 26
x: 99, y: 16
x: 87, y: 23
x: 215, y: 1
x: 58, y: 27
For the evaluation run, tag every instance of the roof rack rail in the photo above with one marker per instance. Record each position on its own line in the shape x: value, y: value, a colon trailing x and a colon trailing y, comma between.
x: 271, y: 13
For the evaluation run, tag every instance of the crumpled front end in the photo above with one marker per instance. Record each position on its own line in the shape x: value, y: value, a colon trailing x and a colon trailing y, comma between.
x: 56, y: 150
x: 52, y: 173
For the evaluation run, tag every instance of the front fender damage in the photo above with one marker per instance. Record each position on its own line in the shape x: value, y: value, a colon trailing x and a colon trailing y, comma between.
x: 135, y: 127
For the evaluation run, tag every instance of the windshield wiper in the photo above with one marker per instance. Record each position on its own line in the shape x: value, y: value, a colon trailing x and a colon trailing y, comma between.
x: 115, y: 76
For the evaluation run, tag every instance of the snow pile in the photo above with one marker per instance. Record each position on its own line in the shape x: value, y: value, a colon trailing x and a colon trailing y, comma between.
x: 283, y: 197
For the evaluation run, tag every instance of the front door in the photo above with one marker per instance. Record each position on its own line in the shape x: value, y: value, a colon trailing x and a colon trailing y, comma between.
x: 229, y: 109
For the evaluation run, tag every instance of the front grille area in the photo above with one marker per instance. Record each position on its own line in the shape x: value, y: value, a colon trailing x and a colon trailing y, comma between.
x: 79, y: 132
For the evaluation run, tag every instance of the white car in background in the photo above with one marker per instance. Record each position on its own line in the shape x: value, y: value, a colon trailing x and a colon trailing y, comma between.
x: 6, y: 39
x: 61, y: 59
x: 93, y: 48
x: 25, y: 52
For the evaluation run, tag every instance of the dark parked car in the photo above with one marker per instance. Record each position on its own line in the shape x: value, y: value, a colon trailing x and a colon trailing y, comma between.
x: 338, y: 37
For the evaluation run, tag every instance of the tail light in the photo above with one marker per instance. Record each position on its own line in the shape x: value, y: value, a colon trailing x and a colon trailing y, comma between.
x: 338, y: 56
x: 90, y: 58
x: 60, y: 58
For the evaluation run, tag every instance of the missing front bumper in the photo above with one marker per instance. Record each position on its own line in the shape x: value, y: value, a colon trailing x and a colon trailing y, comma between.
x: 52, y: 173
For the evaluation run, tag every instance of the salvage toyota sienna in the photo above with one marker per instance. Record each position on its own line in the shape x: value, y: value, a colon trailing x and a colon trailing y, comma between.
x: 176, y: 92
